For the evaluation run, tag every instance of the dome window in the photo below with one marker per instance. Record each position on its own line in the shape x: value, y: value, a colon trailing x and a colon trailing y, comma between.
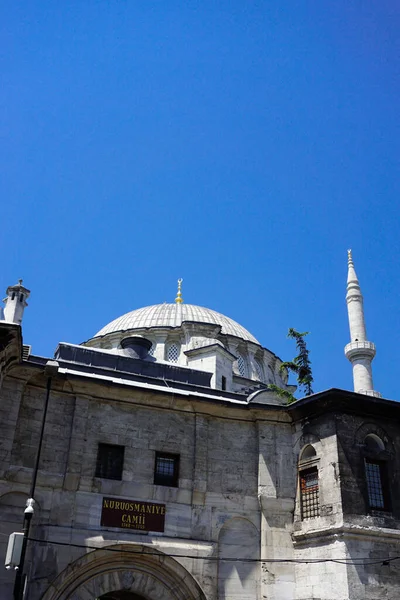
x: 241, y: 365
x: 259, y: 370
x: 173, y: 353
x: 152, y: 349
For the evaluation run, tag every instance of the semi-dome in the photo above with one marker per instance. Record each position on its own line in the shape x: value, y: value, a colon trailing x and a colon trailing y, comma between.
x: 173, y: 315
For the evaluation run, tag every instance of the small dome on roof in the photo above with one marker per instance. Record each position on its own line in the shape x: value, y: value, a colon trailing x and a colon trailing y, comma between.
x: 173, y: 315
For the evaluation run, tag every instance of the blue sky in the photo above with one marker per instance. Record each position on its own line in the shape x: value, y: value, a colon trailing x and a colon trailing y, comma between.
x: 243, y: 146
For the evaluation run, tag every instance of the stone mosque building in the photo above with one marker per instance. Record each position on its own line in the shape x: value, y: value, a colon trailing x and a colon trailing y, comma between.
x: 152, y: 462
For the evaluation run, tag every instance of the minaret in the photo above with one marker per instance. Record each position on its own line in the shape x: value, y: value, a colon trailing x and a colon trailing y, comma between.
x: 360, y: 352
x: 15, y: 303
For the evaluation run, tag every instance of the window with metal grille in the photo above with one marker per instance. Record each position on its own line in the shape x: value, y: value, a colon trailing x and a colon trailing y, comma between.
x: 309, y: 493
x: 166, y: 471
x: 26, y: 350
x: 173, y: 353
x: 152, y: 349
x: 110, y: 461
x: 377, y: 484
x: 241, y: 365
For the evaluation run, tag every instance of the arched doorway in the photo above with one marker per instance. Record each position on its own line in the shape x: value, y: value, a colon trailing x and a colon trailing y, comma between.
x: 121, y: 595
x: 128, y: 572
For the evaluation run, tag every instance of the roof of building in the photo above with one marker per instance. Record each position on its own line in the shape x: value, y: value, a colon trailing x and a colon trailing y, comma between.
x: 173, y: 315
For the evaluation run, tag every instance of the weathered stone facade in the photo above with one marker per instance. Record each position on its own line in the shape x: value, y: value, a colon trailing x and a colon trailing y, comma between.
x: 236, y: 523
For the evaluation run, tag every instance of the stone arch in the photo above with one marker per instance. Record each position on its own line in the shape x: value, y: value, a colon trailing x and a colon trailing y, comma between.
x: 121, y: 595
x: 309, y: 438
x: 307, y: 453
x: 239, y: 539
x: 306, y: 438
x: 141, y: 570
x: 367, y: 429
x: 13, y: 505
x: 374, y: 443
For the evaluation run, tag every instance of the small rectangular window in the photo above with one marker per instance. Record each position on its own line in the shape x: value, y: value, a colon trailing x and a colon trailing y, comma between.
x: 110, y: 461
x: 376, y: 476
x: 309, y: 493
x: 223, y: 383
x: 166, y: 471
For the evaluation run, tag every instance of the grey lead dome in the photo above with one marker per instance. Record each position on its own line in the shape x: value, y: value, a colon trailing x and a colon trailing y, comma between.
x: 173, y: 315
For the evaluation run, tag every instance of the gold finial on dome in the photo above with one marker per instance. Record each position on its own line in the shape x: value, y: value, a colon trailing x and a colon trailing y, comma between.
x: 179, y: 299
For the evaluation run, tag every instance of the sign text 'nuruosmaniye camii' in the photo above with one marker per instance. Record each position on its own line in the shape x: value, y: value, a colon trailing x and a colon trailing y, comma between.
x: 132, y: 514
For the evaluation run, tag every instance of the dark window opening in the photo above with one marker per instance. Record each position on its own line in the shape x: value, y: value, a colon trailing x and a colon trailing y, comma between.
x: 110, y: 461
x: 13, y: 296
x: 21, y: 297
x: 309, y: 493
x: 377, y: 484
x: 223, y: 382
x: 166, y: 471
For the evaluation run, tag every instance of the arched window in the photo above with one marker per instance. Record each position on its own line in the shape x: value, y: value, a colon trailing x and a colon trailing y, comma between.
x: 308, y: 483
x: 152, y: 349
x: 307, y: 453
x: 259, y: 370
x: 241, y: 365
x: 376, y: 473
x: 373, y: 443
x: 173, y: 352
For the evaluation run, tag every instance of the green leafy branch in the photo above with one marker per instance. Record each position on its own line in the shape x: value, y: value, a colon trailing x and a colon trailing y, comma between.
x: 300, y: 365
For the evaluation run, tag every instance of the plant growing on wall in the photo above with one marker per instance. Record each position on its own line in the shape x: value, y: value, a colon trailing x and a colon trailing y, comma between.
x: 300, y: 365
x: 288, y: 396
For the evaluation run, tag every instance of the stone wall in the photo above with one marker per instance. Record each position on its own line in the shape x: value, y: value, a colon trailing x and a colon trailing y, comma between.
x: 218, y: 479
x: 352, y: 431
x: 234, y: 522
x: 347, y: 531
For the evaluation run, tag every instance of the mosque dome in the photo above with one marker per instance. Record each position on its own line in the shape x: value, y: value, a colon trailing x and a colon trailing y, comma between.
x: 195, y: 337
x: 173, y: 315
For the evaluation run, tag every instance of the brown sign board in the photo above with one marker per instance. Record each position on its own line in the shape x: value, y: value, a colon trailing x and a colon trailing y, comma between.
x: 132, y: 514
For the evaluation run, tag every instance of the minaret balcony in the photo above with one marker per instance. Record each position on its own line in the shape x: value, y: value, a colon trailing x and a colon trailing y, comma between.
x: 360, y: 350
x: 373, y: 393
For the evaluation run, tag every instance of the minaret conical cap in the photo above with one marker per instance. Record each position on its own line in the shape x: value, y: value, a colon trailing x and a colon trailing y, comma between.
x: 353, y: 285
